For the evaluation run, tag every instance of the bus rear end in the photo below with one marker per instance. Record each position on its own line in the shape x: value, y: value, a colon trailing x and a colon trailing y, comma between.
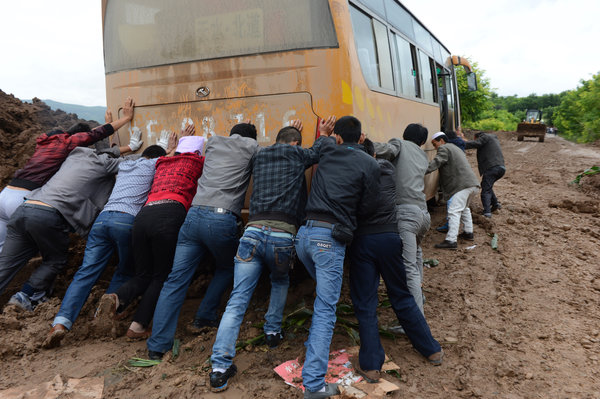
x: 215, y: 63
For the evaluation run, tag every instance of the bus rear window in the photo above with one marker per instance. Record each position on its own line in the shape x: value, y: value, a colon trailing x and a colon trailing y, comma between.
x: 148, y: 33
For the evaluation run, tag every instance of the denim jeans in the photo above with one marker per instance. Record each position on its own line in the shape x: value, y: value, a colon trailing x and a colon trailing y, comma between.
x: 34, y: 228
x: 323, y: 257
x: 111, y: 230
x: 257, y: 249
x: 413, y: 223
x: 204, y: 231
x: 10, y: 199
x: 372, y: 256
x: 490, y: 176
x: 459, y: 212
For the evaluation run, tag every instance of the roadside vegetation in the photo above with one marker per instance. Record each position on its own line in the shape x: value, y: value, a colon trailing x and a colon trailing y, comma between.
x: 574, y: 112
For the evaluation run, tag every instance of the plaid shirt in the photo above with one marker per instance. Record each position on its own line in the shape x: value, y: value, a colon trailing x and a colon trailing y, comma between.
x: 51, y: 152
x: 279, y: 185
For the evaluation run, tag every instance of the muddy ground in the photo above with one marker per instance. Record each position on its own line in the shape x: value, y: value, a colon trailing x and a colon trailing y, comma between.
x: 522, y: 321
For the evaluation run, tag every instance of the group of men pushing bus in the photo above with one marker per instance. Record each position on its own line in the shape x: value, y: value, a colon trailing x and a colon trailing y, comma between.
x: 169, y: 208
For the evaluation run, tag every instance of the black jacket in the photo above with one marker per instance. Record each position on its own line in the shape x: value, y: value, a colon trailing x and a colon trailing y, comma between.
x: 383, y: 219
x: 346, y: 182
x: 489, y: 153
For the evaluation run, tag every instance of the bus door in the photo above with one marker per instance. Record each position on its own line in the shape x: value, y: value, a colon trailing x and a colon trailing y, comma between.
x: 446, y: 98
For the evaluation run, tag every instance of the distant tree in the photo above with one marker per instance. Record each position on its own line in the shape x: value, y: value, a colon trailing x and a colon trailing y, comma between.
x: 578, y: 116
x: 473, y: 104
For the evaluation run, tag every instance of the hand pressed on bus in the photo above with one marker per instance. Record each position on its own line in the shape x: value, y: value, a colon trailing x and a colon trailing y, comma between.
x: 127, y: 114
x: 108, y: 116
x: 172, y: 141
x: 297, y: 124
x: 326, y: 125
x: 189, y: 130
x: 128, y: 108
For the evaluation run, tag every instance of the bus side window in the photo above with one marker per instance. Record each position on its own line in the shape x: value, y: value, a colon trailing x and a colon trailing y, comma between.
x: 365, y: 46
x: 426, y: 77
x: 383, y: 53
x: 409, y: 86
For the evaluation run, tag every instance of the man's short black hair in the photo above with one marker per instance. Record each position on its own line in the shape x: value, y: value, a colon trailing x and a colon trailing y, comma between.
x: 369, y: 147
x: 416, y: 133
x: 288, y: 135
x: 55, y: 131
x: 244, y: 130
x: 154, y: 151
x: 79, y: 127
x: 348, y: 128
x: 451, y: 134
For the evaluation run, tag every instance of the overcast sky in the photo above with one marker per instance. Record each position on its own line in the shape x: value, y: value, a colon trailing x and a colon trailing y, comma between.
x: 53, y: 49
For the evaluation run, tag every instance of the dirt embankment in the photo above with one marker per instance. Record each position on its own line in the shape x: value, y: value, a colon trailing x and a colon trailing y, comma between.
x: 521, y: 321
x: 20, y: 124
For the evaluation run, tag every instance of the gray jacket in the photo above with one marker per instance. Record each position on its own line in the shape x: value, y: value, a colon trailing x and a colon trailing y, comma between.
x: 226, y: 173
x: 455, y: 172
x: 489, y: 153
x: 410, y: 164
x: 80, y: 188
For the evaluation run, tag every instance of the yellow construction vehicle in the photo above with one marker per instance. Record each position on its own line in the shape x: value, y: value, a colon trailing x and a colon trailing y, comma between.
x: 532, y: 126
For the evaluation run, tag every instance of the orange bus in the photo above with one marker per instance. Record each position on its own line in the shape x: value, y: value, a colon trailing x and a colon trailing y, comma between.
x: 214, y: 63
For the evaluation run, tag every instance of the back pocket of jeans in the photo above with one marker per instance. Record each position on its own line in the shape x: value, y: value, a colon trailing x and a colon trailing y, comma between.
x: 283, y: 258
x: 246, y: 249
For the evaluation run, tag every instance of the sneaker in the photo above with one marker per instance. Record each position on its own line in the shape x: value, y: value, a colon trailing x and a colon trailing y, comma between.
x: 443, y: 228
x: 22, y: 301
x: 56, y: 334
x: 137, y: 336
x: 446, y: 245
x: 371, y: 376
x: 107, y: 307
x: 437, y: 358
x: 487, y: 215
x: 273, y: 340
x: 218, y: 380
x: 397, y: 329
x: 496, y: 207
x: 330, y: 390
x: 153, y: 355
x: 466, y: 236
x: 200, y: 326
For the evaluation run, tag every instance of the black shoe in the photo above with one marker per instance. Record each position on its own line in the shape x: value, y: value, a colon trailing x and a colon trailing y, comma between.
x: 496, y: 207
x: 273, y: 340
x: 152, y: 355
x: 466, y: 236
x: 446, y: 245
x: 200, y: 326
x: 218, y: 380
x: 331, y: 389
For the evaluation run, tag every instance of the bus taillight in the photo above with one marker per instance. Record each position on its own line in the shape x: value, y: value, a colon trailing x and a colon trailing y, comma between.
x: 317, y: 131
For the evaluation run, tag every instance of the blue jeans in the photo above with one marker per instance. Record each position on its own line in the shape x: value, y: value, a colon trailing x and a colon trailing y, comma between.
x: 258, y: 248
x: 372, y: 256
x: 323, y: 257
x: 111, y: 230
x: 204, y: 231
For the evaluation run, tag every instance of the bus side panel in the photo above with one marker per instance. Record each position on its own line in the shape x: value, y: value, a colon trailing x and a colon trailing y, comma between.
x: 383, y: 116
